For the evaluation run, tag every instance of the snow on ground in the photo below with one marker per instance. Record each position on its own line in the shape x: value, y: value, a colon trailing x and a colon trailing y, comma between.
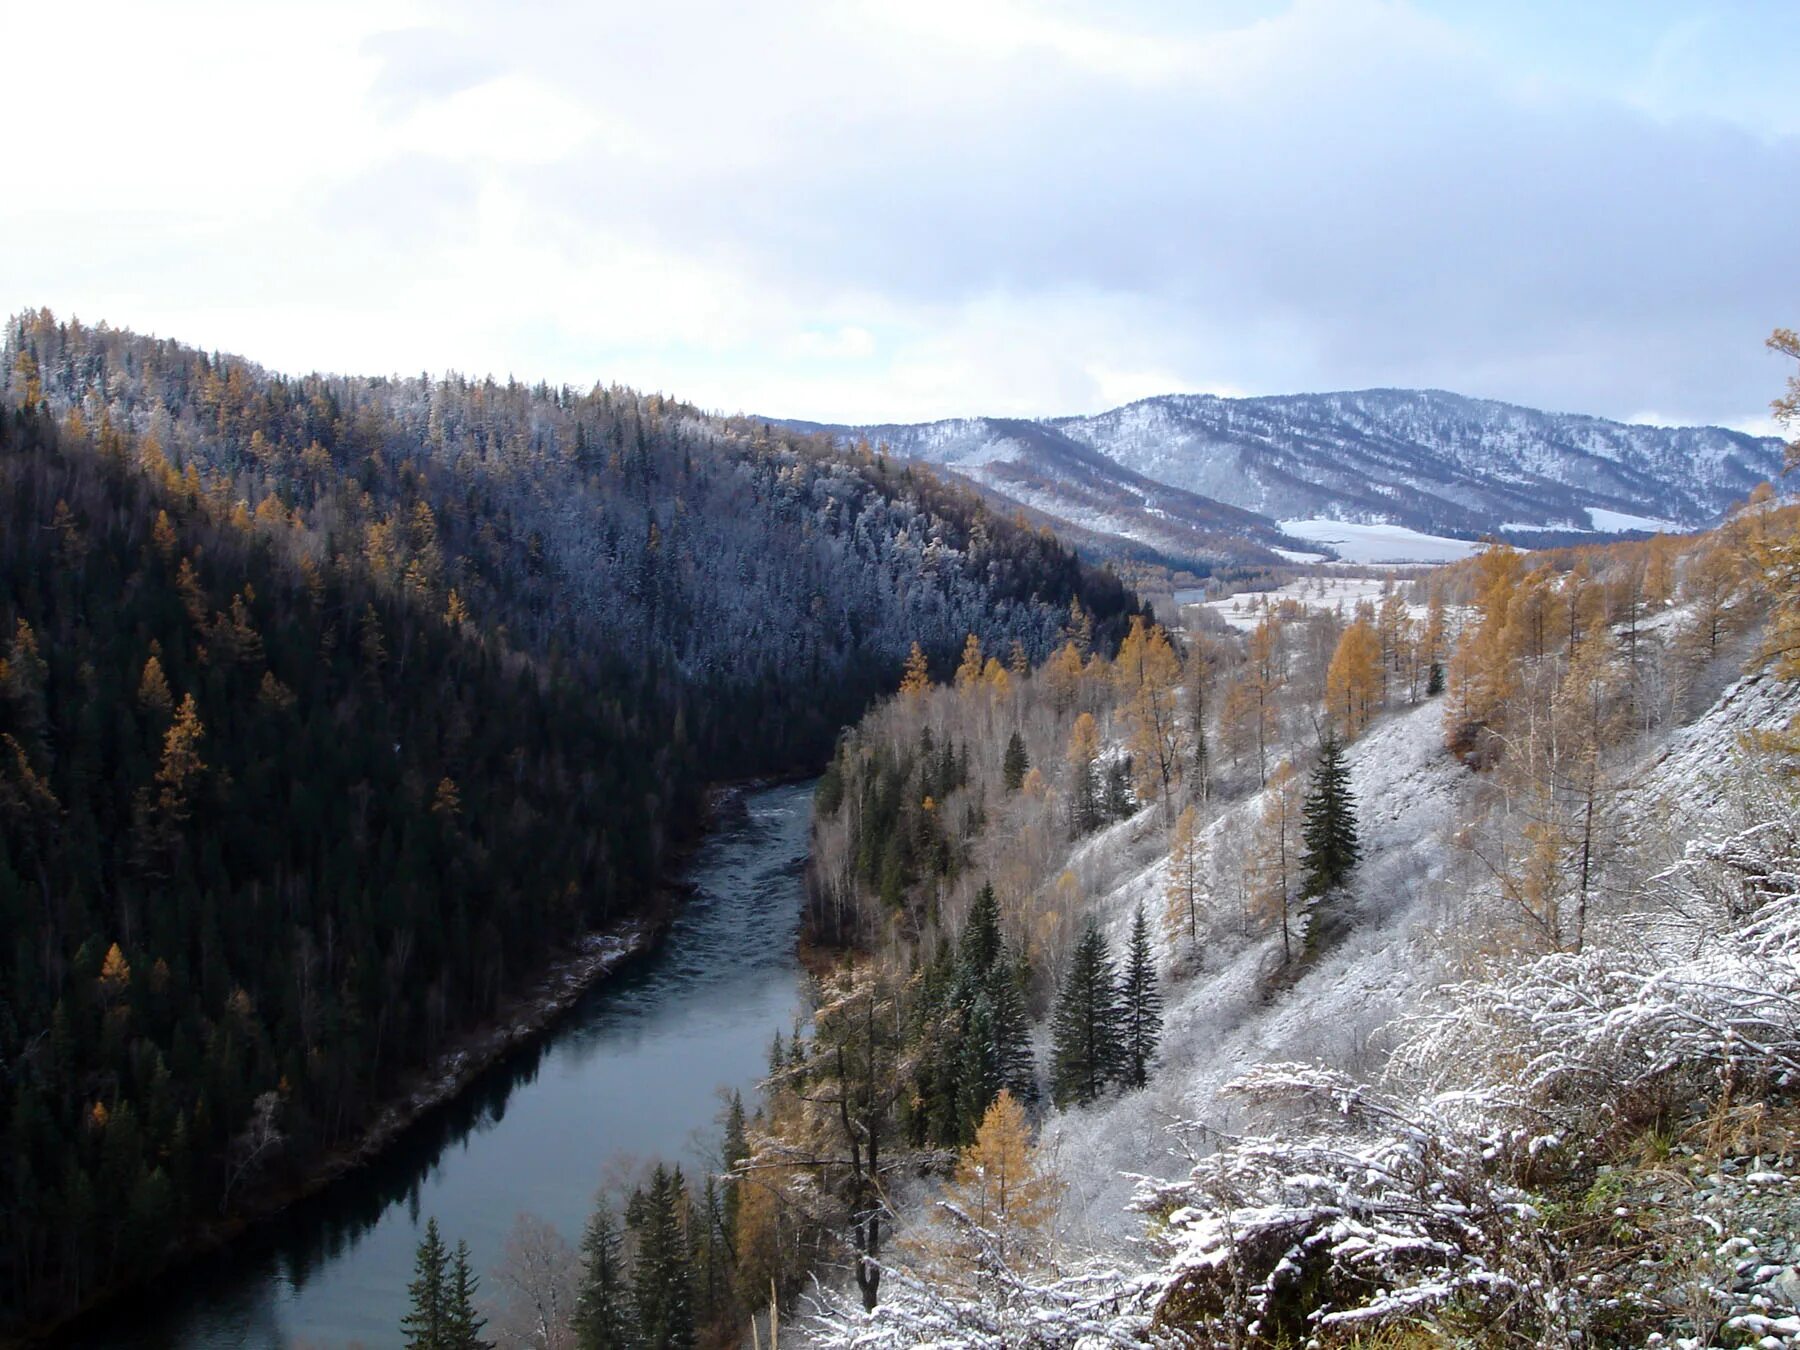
x: 1379, y: 543
x: 1692, y: 781
x: 1220, y: 1022
x: 1612, y: 522
x: 1409, y: 906
x: 1317, y: 591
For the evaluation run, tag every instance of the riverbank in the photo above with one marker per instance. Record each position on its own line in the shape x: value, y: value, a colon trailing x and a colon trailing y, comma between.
x: 524, y: 1017
x: 530, y: 1016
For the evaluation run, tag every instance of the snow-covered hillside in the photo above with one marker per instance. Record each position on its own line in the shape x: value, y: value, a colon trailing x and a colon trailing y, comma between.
x: 1437, y: 1097
x: 1221, y: 1021
x: 1437, y: 462
x: 1377, y: 475
x: 1413, y: 900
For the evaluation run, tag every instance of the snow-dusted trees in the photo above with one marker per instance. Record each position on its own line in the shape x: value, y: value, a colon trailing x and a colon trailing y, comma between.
x: 1185, y: 892
x: 830, y: 1150
x: 1438, y: 1196
x: 1147, y: 675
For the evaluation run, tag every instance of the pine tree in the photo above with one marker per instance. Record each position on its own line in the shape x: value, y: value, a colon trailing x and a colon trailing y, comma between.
x: 1016, y: 765
x: 462, y: 1324
x: 662, y: 1292
x: 1140, y: 1007
x: 603, y: 1307
x: 1329, y: 823
x: 981, y: 945
x: 426, y: 1324
x: 1085, y: 1026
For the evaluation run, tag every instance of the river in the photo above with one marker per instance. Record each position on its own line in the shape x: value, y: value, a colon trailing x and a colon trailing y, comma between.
x: 636, y: 1071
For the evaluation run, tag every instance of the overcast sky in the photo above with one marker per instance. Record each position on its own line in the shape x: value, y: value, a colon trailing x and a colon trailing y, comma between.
x: 861, y: 211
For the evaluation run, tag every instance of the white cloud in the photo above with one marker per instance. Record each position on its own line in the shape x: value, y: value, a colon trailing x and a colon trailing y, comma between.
x: 878, y: 210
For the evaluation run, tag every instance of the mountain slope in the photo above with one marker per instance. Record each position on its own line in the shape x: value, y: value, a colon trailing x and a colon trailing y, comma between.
x: 1040, y: 467
x: 1435, y: 461
x: 1208, y: 478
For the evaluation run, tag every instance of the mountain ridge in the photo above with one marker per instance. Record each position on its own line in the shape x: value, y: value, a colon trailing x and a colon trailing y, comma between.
x: 1429, y: 460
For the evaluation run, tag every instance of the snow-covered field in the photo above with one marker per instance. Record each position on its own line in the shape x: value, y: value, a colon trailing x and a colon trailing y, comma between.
x: 1380, y: 543
x: 1615, y: 521
x: 1319, y: 591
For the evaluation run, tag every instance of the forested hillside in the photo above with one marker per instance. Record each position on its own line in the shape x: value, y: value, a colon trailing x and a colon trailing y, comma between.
x: 767, y: 582
x: 330, y: 709
x: 1470, y: 965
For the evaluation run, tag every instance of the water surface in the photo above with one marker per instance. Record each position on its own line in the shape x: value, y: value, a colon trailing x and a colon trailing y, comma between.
x: 635, y: 1071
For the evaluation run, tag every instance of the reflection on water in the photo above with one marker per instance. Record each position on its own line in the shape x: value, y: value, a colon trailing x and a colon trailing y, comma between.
x: 635, y: 1071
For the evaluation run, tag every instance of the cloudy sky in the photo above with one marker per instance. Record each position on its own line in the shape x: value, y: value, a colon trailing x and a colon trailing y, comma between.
x: 880, y: 211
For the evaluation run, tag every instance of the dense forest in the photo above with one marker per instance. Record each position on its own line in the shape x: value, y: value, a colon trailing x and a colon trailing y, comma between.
x: 331, y: 709
x: 766, y: 582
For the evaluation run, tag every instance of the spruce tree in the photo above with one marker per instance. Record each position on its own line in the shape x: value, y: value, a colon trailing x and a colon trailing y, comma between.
x: 979, y: 1080
x: 1016, y: 764
x: 426, y: 1323
x: 980, y: 947
x: 733, y: 1150
x: 1012, y: 1031
x: 662, y: 1283
x: 1140, y: 1005
x: 462, y: 1324
x: 1085, y: 1026
x: 1328, y: 828
x: 603, y: 1307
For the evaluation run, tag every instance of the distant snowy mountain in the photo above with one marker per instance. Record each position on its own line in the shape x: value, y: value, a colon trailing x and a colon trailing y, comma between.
x: 1099, y: 501
x: 1436, y: 463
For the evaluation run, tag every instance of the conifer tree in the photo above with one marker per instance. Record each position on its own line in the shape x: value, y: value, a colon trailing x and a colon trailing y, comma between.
x: 1012, y: 1032
x: 1140, y: 1007
x: 1329, y: 822
x: 427, y: 1322
x: 1086, y: 1049
x: 981, y: 945
x: 978, y: 1079
x: 1016, y: 765
x: 662, y: 1284
x: 462, y: 1324
x: 603, y: 1307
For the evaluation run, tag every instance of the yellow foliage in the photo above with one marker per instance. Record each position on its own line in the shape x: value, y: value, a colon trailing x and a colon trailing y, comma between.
x: 1063, y: 671
x: 115, y: 973
x: 162, y: 536
x: 994, y: 675
x: 1147, y: 676
x: 917, y: 678
x: 968, y: 673
x: 1001, y: 1189
x: 1353, y: 680
x: 447, y: 800
x: 1084, y: 741
x: 153, y: 689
